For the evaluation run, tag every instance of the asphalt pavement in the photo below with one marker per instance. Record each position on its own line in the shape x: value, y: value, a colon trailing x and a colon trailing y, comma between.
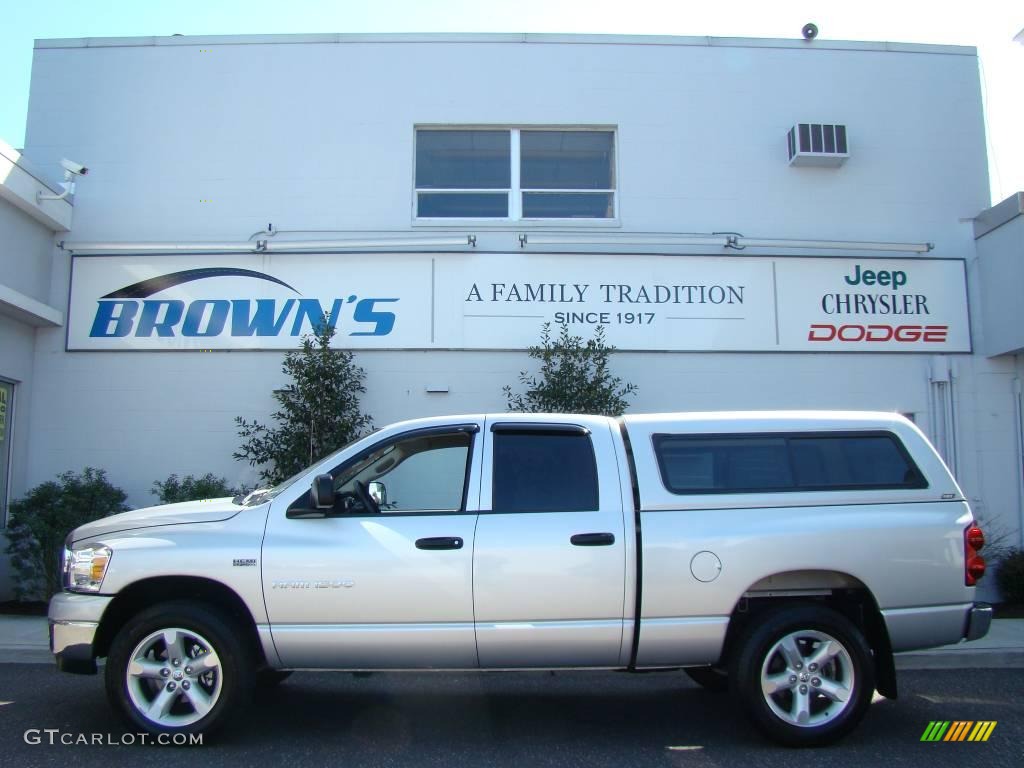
x: 505, y: 720
x: 563, y: 720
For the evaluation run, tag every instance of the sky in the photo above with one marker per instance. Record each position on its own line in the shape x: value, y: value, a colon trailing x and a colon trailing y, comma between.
x: 989, y: 25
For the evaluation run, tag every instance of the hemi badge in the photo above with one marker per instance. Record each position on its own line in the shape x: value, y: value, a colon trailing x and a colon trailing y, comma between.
x: 244, y: 561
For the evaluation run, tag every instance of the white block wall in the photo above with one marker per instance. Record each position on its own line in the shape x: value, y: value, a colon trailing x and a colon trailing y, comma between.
x: 210, y: 139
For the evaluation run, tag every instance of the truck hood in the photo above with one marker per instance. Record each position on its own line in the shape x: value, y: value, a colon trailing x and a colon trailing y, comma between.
x: 206, y: 511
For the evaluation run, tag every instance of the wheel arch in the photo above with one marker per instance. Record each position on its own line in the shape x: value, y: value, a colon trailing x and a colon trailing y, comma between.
x: 148, y: 592
x: 840, y: 591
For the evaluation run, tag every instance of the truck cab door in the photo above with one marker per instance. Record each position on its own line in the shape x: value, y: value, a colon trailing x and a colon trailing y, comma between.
x: 384, y: 579
x: 549, y: 567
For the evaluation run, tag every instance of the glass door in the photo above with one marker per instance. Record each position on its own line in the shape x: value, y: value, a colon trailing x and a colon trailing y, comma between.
x: 6, y: 414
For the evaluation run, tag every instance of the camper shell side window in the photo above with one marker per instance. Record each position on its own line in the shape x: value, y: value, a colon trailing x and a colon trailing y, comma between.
x: 788, y: 462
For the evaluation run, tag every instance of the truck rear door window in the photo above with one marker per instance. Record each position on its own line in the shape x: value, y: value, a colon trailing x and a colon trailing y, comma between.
x: 776, y: 463
x: 544, y: 472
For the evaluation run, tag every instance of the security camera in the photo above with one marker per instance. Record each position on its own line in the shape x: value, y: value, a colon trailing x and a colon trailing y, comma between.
x: 72, y: 167
x: 810, y: 31
x: 71, y: 171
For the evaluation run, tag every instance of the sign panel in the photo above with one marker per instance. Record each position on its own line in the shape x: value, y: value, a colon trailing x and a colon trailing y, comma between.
x: 644, y: 302
x: 248, y: 302
x: 873, y: 305
x: 500, y: 301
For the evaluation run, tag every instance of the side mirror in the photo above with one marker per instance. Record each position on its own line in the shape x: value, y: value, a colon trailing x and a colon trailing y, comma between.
x: 379, y: 493
x: 322, y: 493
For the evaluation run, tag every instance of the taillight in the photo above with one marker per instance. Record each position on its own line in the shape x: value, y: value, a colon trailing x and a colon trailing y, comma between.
x: 975, y: 537
x: 974, y: 564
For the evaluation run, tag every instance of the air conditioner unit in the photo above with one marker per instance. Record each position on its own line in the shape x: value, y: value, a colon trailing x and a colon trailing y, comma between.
x: 820, y: 144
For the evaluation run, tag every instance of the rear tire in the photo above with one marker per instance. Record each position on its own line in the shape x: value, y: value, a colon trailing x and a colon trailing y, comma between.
x: 179, y: 668
x: 804, y: 675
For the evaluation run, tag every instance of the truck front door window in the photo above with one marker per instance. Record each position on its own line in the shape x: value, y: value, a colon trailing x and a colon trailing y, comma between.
x: 423, y: 473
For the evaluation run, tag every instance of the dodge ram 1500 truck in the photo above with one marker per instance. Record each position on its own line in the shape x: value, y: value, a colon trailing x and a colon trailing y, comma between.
x: 785, y: 556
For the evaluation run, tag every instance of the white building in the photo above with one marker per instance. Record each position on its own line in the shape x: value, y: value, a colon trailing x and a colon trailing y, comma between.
x: 27, y: 235
x: 758, y: 224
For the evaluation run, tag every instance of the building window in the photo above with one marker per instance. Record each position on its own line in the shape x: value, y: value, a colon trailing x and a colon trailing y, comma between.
x: 515, y: 174
x: 463, y: 174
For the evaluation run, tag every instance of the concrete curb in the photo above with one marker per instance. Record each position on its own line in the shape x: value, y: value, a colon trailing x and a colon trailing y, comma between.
x: 20, y: 655
x: 24, y: 640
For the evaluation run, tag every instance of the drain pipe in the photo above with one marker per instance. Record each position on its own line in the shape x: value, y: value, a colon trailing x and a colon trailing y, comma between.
x: 1018, y: 408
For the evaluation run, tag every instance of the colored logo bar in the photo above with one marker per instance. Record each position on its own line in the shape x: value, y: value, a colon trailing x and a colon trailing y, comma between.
x: 959, y: 730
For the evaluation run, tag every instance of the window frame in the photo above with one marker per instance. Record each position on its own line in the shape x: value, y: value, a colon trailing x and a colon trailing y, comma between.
x: 515, y: 191
x: 920, y: 483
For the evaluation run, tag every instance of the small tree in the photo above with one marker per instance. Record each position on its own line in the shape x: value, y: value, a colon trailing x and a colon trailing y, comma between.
x: 190, y: 488
x: 574, y: 377
x: 318, y: 413
x: 40, y: 522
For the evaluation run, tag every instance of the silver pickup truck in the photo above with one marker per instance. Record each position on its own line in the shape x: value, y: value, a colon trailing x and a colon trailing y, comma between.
x: 784, y: 556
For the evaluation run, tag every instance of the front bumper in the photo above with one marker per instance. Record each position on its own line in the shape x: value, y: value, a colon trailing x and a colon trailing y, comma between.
x: 979, y: 618
x: 74, y: 621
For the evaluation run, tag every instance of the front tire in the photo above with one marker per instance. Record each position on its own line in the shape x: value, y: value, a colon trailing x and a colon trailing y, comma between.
x: 179, y: 668
x: 804, y: 675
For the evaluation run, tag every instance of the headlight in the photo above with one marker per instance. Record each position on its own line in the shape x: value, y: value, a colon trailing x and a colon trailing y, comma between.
x: 85, y: 568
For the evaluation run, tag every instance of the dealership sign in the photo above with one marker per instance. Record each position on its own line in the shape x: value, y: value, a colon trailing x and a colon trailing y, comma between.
x: 500, y: 301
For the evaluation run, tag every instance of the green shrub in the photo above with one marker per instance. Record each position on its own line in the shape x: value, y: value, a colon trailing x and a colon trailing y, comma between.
x: 190, y: 488
x: 1010, y: 577
x: 999, y: 541
x: 318, y: 412
x: 39, y: 523
x: 574, y: 377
